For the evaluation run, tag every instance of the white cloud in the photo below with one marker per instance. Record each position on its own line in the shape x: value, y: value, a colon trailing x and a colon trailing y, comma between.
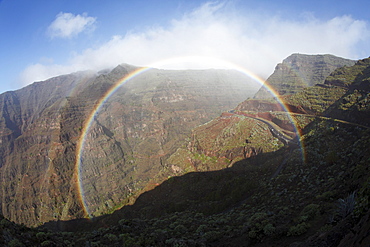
x: 40, y: 72
x: 68, y: 25
x: 255, y: 42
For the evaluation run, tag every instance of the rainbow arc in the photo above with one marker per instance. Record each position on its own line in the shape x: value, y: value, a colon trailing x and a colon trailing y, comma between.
x: 173, y: 63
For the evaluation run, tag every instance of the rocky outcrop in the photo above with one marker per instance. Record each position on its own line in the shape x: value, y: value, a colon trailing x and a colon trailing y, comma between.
x: 299, y: 71
x: 37, y: 157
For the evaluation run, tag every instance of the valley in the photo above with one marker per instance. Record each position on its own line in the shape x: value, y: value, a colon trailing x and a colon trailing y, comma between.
x: 194, y: 158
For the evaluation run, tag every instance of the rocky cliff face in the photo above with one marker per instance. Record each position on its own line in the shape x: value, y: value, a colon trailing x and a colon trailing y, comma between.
x: 299, y: 71
x: 144, y: 123
x: 269, y: 192
x: 274, y: 194
x: 340, y: 95
x: 36, y: 151
x: 126, y: 147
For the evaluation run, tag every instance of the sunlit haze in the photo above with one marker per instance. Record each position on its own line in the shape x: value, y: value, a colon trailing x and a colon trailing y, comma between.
x: 45, y: 39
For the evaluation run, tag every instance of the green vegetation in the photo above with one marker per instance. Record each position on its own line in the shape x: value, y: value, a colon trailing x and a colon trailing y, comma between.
x: 216, y: 195
x: 300, y: 71
x: 316, y: 99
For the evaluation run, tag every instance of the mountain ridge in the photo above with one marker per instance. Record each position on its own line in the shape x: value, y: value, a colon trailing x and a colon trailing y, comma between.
x: 227, y: 186
x: 299, y: 71
x: 41, y: 134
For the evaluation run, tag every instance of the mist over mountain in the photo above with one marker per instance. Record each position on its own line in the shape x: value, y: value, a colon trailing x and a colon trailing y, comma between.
x: 126, y: 149
x: 191, y: 158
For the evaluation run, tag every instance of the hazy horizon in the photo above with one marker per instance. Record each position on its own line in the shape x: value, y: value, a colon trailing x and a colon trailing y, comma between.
x: 61, y: 38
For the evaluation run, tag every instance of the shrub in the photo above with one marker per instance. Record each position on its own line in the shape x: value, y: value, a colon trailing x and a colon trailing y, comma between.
x: 4, y: 223
x: 325, y: 228
x: 41, y: 235
x: 326, y: 196
x: 15, y: 243
x: 211, y: 236
x: 111, y: 237
x: 180, y: 229
x: 252, y: 234
x: 127, y: 239
x: 269, y: 230
x: 258, y: 220
x: 47, y: 243
x: 298, y: 229
x: 95, y: 244
x: 176, y: 242
x: 257, y: 224
x: 309, y: 212
x: 346, y: 205
x: 67, y: 242
x: 123, y: 222
x: 201, y: 229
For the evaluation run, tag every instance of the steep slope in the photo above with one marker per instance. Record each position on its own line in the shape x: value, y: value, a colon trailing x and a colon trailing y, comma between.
x: 30, y: 142
x: 299, y: 71
x: 273, y: 198
x: 353, y: 106
x: 127, y: 145
x: 143, y: 123
x: 256, y: 126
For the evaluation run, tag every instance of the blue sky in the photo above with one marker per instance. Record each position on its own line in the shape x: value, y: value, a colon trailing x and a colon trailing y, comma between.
x: 42, y: 39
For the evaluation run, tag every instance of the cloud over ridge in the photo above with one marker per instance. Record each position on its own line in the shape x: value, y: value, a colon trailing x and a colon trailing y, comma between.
x: 68, y: 25
x: 256, y: 42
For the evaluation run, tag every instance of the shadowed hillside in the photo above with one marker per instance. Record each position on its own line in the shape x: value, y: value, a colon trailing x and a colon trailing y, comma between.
x: 272, y: 196
x: 126, y: 148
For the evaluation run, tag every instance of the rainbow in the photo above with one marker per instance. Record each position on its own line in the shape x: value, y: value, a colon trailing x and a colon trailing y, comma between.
x: 180, y: 61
